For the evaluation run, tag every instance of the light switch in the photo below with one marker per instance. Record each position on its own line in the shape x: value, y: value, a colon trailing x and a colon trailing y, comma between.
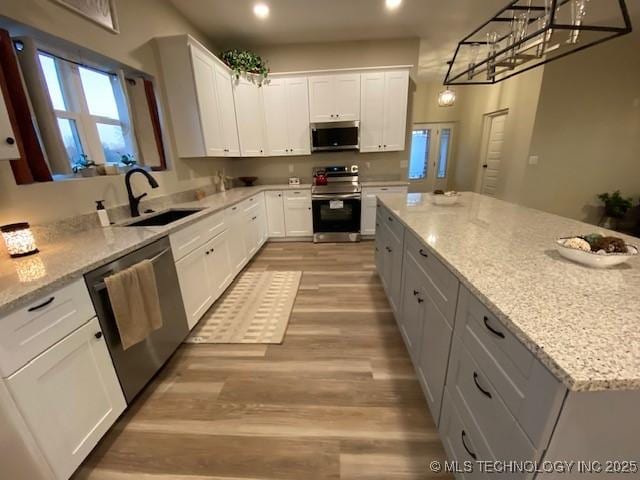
x: 533, y: 159
x: 291, y: 168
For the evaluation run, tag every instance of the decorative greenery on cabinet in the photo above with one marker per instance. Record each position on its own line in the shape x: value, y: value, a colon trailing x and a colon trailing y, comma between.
x: 244, y: 62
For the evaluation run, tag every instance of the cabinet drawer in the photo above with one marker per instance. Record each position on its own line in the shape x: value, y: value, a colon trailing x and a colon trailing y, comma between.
x: 461, y: 440
x: 530, y: 392
x: 253, y: 201
x: 297, y: 195
x: 470, y: 386
x: 443, y: 285
x: 392, y: 223
x: 28, y: 332
x: 233, y: 214
x: 189, y: 238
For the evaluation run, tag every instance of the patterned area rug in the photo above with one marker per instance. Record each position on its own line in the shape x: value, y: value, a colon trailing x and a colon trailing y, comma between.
x: 256, y: 309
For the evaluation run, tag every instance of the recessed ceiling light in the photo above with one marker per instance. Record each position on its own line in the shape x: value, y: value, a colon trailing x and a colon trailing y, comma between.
x: 393, y: 4
x: 261, y: 10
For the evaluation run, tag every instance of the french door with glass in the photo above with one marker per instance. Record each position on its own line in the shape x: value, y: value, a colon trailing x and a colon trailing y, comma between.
x: 430, y: 157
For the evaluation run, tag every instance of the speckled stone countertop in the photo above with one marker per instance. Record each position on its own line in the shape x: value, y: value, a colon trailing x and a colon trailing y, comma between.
x: 69, y: 254
x: 582, y: 323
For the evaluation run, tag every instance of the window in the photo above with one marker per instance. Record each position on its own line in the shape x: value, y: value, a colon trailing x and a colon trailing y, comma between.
x: 91, y: 110
x: 443, y: 152
x: 419, y: 158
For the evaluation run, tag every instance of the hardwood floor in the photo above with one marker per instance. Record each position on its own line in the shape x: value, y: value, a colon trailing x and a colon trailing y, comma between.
x: 337, y: 400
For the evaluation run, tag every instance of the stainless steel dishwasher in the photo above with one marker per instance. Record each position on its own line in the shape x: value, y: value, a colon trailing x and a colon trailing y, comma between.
x: 138, y: 364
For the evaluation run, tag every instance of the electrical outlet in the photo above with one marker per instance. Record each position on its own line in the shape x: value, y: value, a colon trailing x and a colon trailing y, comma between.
x: 533, y: 159
x: 291, y: 168
x: 367, y: 164
x: 404, y: 163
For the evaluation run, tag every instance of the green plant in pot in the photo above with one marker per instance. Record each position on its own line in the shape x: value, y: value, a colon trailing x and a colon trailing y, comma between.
x: 128, y: 162
x: 244, y: 62
x: 85, y: 167
x: 615, y: 208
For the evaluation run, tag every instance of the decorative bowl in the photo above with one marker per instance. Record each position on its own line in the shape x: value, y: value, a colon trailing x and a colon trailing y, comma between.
x: 248, y: 181
x: 445, y: 200
x: 594, y: 259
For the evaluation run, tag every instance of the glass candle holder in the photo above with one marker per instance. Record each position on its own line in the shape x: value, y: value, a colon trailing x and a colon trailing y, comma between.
x: 19, y: 239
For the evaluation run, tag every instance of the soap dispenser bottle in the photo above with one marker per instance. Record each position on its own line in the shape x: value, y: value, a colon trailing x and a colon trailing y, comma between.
x: 103, y: 216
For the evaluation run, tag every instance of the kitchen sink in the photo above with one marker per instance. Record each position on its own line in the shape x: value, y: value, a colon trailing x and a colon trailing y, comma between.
x: 164, y: 218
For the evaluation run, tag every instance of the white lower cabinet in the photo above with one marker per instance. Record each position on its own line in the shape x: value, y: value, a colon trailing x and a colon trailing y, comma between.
x: 298, y: 217
x: 275, y: 214
x: 368, y: 211
x: 69, y: 396
x: 195, y: 284
x: 219, y: 269
x: 237, y: 245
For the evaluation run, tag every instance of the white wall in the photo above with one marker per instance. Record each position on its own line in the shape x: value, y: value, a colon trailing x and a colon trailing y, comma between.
x: 140, y: 21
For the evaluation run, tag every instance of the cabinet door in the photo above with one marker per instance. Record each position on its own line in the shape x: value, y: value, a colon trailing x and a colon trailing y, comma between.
x: 195, y: 284
x: 381, y: 253
x: 218, y: 261
x: 251, y: 234
x: 413, y: 301
x: 433, y: 356
x: 205, y: 80
x: 368, y: 214
x: 346, y: 92
x: 396, y: 92
x: 298, y: 116
x: 275, y: 214
x: 275, y: 114
x: 69, y: 396
x: 372, y: 124
x: 8, y: 141
x: 227, y: 112
x: 250, y: 112
x: 321, y: 99
x: 297, y: 217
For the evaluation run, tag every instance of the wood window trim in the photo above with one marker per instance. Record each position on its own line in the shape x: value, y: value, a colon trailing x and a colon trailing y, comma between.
x: 31, y: 166
x: 155, y: 120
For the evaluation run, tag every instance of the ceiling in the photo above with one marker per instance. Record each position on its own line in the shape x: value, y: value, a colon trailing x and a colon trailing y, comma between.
x: 439, y: 24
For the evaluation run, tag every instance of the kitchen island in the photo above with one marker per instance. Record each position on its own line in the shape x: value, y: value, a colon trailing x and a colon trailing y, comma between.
x: 522, y: 355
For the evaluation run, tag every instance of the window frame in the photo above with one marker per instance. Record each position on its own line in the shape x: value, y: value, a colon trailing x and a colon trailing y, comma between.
x: 77, y: 108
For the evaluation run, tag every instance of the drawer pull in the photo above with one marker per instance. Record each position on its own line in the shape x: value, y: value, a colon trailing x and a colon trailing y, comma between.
x: 420, y: 300
x: 390, y: 219
x: 42, y: 305
x: 497, y: 333
x: 485, y: 392
x: 423, y: 253
x: 415, y: 292
x: 464, y: 444
x: 388, y: 249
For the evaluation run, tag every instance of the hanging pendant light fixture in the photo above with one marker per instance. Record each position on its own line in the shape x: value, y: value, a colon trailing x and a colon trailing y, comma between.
x: 528, y: 33
x: 447, y: 98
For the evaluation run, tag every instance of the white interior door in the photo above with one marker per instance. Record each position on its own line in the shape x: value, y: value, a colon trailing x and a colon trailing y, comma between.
x: 493, y: 144
x: 430, y: 157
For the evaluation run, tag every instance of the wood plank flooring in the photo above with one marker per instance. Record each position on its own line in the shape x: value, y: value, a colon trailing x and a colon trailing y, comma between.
x: 337, y: 400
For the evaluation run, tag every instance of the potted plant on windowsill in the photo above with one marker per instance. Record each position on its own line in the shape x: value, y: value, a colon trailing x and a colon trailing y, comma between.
x: 85, y: 167
x: 246, y: 63
x: 127, y: 163
x: 615, y: 209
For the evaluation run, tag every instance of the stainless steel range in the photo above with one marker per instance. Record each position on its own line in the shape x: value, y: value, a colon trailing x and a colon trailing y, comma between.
x: 336, y: 197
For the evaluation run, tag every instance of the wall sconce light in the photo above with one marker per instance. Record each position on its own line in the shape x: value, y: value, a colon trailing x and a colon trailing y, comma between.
x: 446, y: 98
x: 19, y: 239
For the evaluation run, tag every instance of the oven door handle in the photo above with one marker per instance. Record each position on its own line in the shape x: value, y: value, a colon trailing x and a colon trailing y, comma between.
x: 338, y: 196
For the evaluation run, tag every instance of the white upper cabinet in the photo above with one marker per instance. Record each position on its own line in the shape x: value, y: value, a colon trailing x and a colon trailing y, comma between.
x: 227, y: 111
x: 384, y: 111
x: 334, y: 98
x: 8, y: 142
x: 200, y: 98
x: 250, y: 113
x: 286, y: 113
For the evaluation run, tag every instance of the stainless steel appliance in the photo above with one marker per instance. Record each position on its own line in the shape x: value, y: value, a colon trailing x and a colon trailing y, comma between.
x: 336, y: 204
x: 138, y: 364
x: 335, y: 136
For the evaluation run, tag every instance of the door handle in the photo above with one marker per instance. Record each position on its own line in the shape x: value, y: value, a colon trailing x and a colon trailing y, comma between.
x: 10, y: 140
x: 497, y: 333
x: 485, y: 392
x: 423, y: 253
x: 98, y: 335
x: 485, y: 166
x: 464, y: 444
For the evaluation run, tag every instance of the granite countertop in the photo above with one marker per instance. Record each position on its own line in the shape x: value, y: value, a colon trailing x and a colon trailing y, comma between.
x: 69, y: 254
x: 582, y: 323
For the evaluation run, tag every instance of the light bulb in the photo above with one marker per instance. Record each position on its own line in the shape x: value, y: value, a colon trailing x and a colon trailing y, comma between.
x: 446, y: 98
x: 261, y: 10
x: 392, y: 4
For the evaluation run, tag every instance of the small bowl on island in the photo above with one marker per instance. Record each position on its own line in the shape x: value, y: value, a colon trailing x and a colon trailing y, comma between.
x: 442, y: 198
x: 596, y: 250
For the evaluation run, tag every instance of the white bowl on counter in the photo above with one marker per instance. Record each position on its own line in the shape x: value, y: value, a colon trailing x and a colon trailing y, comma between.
x: 594, y: 259
x: 445, y: 200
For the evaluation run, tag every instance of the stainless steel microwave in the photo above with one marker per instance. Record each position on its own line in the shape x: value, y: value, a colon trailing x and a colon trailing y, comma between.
x: 335, y: 136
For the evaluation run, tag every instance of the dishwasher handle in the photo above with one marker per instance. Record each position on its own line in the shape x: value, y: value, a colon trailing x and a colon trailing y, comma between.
x: 98, y: 287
